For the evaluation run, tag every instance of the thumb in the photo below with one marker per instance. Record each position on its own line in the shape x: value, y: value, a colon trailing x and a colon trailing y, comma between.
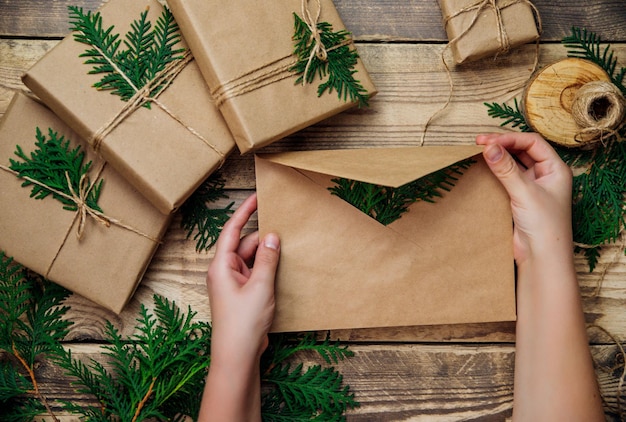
x: 504, y: 167
x: 266, y: 259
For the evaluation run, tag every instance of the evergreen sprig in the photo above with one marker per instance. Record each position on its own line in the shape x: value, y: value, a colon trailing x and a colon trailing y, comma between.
x: 197, y: 216
x: 50, y: 164
x: 149, y: 372
x: 299, y: 393
x: 386, y: 204
x: 598, y: 203
x: 338, y: 66
x: 511, y: 115
x: 147, y: 50
x: 157, y: 373
x: 587, y: 45
x: 31, y: 324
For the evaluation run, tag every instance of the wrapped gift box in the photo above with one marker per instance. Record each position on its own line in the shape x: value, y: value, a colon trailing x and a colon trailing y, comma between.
x: 477, y: 29
x: 448, y: 262
x: 244, y: 49
x: 107, y: 263
x: 166, y: 157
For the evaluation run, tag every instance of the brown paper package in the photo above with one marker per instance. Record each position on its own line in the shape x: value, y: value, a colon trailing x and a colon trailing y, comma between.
x: 234, y: 38
x: 445, y: 263
x: 482, y: 39
x: 107, y: 264
x: 156, y: 154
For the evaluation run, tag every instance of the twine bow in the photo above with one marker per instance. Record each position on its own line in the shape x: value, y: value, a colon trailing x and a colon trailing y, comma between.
x: 80, y: 199
x: 318, y: 49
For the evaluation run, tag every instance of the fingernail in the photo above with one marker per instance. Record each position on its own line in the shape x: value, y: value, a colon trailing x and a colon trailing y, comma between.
x: 271, y: 241
x: 493, y: 153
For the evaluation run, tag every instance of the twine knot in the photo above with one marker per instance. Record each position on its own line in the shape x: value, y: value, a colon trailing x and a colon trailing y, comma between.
x: 318, y: 50
x: 599, y: 108
x: 80, y: 199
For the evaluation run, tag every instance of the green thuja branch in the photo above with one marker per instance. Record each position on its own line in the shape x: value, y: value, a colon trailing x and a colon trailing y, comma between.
x: 147, y: 50
x: 151, y: 374
x: 511, y: 115
x: 386, y: 204
x: 156, y: 374
x: 198, y: 217
x: 338, y: 66
x: 299, y: 393
x: 598, y: 203
x: 31, y: 324
x: 587, y: 45
x: 50, y: 164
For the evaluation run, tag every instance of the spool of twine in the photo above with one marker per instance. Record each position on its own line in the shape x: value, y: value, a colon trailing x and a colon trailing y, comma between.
x: 573, y: 103
x: 598, y: 108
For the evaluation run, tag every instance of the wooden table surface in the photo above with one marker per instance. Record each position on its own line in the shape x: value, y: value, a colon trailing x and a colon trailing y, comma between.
x: 407, y: 373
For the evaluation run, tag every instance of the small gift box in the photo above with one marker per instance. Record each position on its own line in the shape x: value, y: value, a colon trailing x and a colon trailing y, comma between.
x: 246, y: 51
x: 161, y: 129
x: 482, y: 28
x: 67, y: 214
x: 447, y: 262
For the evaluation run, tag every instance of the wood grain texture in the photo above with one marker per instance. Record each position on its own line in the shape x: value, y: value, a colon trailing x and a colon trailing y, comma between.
x: 412, y: 85
x: 382, y: 20
x: 403, y: 382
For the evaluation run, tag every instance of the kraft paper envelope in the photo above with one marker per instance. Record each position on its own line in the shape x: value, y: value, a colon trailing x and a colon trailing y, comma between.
x: 444, y: 263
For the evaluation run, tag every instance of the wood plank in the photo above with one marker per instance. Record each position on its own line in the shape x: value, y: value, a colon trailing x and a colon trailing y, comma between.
x: 411, y: 85
x: 369, y: 20
x: 406, y: 382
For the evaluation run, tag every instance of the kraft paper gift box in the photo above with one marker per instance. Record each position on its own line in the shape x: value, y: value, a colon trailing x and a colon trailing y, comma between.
x: 107, y: 263
x: 478, y: 29
x: 449, y: 262
x: 163, y: 158
x: 244, y: 49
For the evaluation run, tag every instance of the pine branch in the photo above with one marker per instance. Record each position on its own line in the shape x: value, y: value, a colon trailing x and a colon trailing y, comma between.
x: 385, y: 204
x: 587, y: 45
x: 338, y: 66
x: 198, y: 217
x: 147, y: 50
x: 51, y: 164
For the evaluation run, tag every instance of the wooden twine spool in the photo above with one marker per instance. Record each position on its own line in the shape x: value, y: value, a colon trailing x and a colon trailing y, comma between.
x: 573, y: 103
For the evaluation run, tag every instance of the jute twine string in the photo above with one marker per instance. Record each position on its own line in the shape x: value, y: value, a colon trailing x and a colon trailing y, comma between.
x: 503, y: 40
x: 280, y: 68
x: 598, y: 127
x: 83, y: 209
x: 163, y: 79
x: 318, y: 47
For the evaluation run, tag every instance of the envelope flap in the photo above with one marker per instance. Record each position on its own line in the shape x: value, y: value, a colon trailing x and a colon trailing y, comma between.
x: 382, y: 166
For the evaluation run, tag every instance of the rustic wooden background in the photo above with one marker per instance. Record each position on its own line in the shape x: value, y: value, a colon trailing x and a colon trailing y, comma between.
x: 408, y: 373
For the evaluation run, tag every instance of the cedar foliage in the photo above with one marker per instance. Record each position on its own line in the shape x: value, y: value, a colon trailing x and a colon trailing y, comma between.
x: 199, y: 217
x: 159, y: 372
x: 149, y: 372
x: 31, y: 324
x: 386, y: 204
x: 147, y: 50
x: 598, y: 205
x: 339, y: 66
x: 52, y: 163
